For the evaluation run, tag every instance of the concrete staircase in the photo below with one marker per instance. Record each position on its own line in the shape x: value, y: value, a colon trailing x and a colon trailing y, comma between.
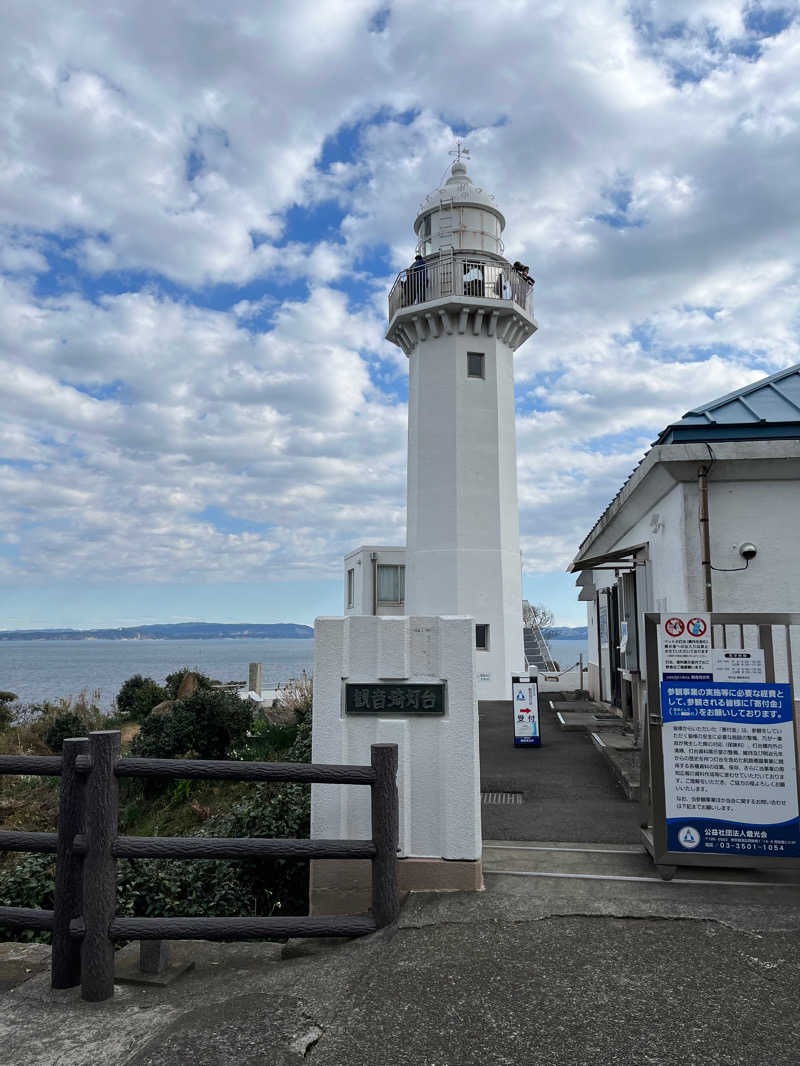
x: 536, y: 651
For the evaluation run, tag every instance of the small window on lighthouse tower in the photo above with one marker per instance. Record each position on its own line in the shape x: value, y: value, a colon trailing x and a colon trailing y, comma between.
x: 476, y: 365
x: 482, y: 636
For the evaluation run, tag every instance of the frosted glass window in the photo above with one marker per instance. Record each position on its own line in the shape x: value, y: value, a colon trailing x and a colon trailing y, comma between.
x: 351, y: 587
x: 391, y: 583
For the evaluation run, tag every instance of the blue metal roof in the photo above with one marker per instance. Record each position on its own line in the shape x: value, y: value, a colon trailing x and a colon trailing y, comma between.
x: 769, y: 408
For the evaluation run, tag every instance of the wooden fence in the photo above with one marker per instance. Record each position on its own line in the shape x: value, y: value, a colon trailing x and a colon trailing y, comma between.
x: 83, y: 921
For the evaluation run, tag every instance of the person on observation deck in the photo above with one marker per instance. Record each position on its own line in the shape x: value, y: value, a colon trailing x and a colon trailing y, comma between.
x: 418, y: 279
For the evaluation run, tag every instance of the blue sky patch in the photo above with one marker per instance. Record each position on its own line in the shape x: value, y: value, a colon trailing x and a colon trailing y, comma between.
x: 379, y: 21
x: 224, y: 522
x: 320, y: 222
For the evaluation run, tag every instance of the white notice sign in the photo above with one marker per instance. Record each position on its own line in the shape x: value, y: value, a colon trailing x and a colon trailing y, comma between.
x: 686, y: 647
x: 732, y: 664
x: 525, y: 703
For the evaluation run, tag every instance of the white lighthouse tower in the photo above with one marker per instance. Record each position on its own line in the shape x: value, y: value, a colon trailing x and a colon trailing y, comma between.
x: 459, y: 313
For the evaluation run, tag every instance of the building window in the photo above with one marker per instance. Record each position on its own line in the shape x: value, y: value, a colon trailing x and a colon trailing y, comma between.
x: 351, y: 588
x: 391, y: 584
x: 476, y: 365
x: 482, y: 636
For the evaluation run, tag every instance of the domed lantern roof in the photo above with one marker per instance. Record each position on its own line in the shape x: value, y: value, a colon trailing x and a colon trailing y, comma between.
x: 459, y: 215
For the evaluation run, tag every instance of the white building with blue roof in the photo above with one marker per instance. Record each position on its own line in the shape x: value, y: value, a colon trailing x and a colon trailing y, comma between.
x: 731, y: 466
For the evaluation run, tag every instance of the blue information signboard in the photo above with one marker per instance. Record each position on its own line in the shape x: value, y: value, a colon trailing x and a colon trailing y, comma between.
x: 730, y: 770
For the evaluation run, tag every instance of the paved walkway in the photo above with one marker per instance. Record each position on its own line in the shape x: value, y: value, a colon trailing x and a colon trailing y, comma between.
x: 537, y: 971
x: 577, y: 954
x: 568, y: 790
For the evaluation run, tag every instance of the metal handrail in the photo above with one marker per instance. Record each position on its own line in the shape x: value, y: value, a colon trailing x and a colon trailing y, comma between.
x: 460, y: 274
x: 84, y: 922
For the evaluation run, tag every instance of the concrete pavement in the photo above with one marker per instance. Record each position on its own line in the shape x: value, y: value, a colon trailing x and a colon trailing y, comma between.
x: 577, y: 955
x: 568, y: 791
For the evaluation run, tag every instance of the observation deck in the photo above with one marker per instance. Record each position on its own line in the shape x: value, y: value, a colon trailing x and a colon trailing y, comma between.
x: 423, y: 295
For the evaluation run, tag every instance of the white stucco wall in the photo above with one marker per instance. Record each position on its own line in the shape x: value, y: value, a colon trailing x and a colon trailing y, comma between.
x: 463, y: 523
x: 767, y: 513
x: 754, y: 495
x: 439, y: 772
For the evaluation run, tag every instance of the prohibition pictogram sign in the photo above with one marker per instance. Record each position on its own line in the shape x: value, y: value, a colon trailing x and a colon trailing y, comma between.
x: 674, y: 627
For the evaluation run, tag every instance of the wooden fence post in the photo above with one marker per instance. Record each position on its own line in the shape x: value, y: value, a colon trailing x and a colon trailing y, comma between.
x: 100, y: 867
x: 385, y: 835
x: 66, y: 957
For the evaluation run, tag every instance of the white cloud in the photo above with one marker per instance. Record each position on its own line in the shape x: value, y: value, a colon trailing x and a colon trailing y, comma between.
x: 176, y: 341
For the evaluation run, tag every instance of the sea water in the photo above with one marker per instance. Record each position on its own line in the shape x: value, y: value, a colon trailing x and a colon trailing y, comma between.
x: 48, y: 669
x: 39, y: 670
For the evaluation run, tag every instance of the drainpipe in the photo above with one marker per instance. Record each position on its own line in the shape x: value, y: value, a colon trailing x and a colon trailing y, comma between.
x: 374, y: 560
x: 705, y: 535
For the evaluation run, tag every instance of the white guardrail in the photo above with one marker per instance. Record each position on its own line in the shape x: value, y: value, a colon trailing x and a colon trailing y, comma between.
x: 460, y: 276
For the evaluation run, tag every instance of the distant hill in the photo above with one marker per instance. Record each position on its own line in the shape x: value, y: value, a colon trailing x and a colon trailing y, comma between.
x: 176, y: 631
x: 567, y: 633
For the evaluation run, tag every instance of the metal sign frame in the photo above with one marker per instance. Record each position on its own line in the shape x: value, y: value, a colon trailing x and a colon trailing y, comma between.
x: 653, y: 788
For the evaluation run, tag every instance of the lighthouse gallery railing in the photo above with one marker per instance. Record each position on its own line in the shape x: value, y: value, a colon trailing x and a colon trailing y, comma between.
x: 460, y: 275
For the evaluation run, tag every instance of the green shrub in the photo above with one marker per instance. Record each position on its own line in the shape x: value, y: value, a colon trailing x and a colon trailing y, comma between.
x: 64, y: 725
x: 173, y: 682
x: 28, y: 881
x: 300, y: 751
x: 174, y: 887
x: 138, y: 696
x: 6, y: 714
x: 209, y: 724
x: 32, y: 721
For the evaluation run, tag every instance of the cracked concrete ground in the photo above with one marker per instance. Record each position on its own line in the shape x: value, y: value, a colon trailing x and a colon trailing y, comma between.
x: 538, y: 971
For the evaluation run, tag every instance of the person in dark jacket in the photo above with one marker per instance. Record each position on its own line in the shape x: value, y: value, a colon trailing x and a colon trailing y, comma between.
x: 418, y: 274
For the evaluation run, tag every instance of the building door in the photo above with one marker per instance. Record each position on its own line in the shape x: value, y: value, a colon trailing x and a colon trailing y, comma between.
x: 614, y: 639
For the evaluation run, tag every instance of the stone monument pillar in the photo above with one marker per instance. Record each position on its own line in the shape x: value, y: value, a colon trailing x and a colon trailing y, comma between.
x: 379, y: 680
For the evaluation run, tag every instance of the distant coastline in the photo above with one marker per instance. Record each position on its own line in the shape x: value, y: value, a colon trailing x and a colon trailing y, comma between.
x: 215, y: 631
x: 174, y: 631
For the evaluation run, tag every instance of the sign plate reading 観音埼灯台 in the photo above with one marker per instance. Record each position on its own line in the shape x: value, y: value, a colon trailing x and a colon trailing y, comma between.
x: 730, y: 772
x: 395, y: 697
x: 686, y: 647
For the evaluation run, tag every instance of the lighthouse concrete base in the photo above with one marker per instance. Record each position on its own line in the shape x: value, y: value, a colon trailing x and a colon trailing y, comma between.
x: 367, y: 670
x: 344, y: 887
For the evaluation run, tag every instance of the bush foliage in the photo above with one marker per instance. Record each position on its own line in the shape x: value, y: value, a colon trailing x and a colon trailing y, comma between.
x: 212, y: 723
x: 173, y: 682
x: 64, y: 725
x: 207, y: 724
x: 138, y: 696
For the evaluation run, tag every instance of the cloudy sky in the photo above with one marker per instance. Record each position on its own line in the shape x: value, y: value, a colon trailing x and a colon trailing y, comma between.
x: 204, y: 205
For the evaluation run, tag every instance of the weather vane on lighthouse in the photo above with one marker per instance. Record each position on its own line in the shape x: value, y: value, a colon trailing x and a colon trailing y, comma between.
x: 459, y: 151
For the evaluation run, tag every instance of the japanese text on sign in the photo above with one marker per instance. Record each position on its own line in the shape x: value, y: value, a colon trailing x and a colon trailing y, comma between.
x: 729, y: 767
x: 525, y: 704
x: 380, y: 698
x: 686, y: 647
